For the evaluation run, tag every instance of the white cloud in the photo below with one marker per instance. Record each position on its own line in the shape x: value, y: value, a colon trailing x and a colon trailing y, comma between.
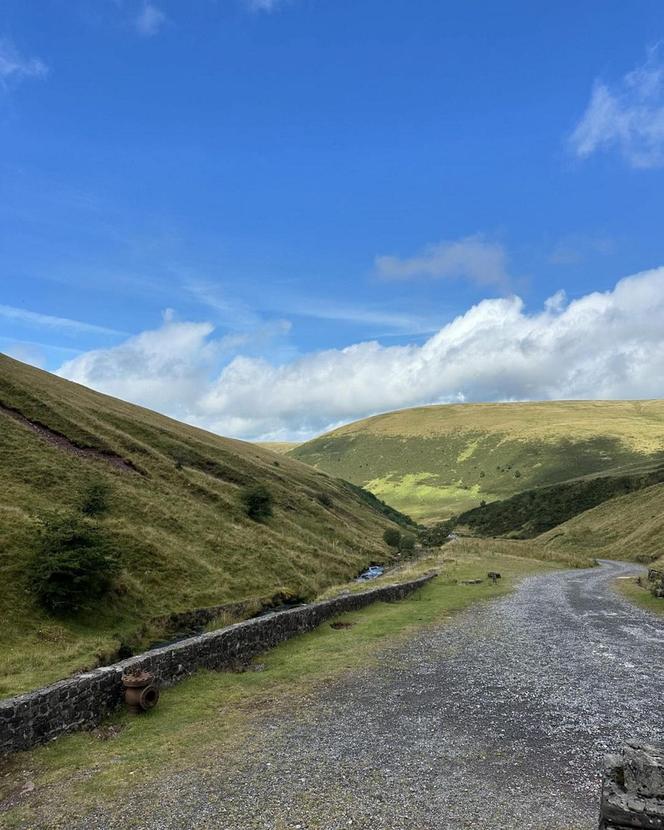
x: 628, y: 116
x: 35, y: 319
x: 166, y: 369
x: 472, y: 258
x: 603, y: 345
x: 149, y: 20
x: 14, y: 67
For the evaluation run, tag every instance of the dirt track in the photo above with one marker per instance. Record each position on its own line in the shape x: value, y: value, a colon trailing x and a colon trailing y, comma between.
x: 497, y: 719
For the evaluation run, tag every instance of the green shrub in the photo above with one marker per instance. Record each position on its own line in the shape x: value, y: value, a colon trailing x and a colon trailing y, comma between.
x: 392, y: 537
x: 73, y: 566
x: 94, y: 500
x: 437, y: 534
x: 325, y: 499
x: 257, y: 502
x: 407, y: 543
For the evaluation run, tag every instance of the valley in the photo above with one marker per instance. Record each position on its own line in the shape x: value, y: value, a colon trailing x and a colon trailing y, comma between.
x: 201, y: 527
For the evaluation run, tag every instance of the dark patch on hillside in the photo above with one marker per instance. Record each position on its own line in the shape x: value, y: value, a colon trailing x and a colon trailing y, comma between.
x: 532, y: 512
x: 51, y: 413
x: 375, y: 503
x: 62, y: 442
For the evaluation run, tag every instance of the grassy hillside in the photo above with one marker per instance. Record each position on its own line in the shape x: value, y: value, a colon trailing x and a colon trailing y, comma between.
x: 627, y: 527
x: 281, y: 447
x: 437, y: 461
x: 175, y: 516
x: 536, y: 511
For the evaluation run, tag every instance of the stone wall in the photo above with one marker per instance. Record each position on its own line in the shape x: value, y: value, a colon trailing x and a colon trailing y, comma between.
x: 633, y: 789
x: 83, y: 701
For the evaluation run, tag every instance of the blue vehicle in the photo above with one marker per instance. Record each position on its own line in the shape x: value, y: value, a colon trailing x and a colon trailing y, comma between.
x: 371, y: 573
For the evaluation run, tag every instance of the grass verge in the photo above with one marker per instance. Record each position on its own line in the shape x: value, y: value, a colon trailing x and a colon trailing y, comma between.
x: 640, y: 595
x: 214, y: 713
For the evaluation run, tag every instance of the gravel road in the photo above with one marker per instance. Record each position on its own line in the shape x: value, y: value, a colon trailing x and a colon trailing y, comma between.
x: 497, y: 719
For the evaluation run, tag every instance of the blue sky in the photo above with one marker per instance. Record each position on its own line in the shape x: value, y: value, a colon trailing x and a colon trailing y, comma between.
x: 267, y: 218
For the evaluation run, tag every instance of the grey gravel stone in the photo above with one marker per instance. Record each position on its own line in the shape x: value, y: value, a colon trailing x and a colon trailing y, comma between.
x: 498, y: 719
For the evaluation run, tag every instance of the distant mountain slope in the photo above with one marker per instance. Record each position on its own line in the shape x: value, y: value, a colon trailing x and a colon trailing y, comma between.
x: 436, y: 461
x: 533, y: 512
x: 626, y: 527
x: 281, y: 447
x: 175, y: 515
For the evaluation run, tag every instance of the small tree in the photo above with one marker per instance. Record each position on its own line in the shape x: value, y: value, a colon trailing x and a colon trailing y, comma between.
x: 94, y: 500
x: 325, y: 499
x: 407, y: 543
x: 258, y: 502
x: 72, y: 567
x: 392, y: 537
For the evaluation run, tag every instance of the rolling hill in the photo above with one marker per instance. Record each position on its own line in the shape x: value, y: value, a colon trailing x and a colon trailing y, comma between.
x: 626, y: 527
x: 437, y: 461
x: 174, y: 513
x: 533, y: 512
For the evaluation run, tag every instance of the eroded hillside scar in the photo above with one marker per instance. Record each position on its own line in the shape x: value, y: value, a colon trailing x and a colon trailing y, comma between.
x: 57, y: 439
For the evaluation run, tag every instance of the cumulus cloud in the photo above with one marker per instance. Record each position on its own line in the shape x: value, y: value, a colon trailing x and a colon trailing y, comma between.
x: 602, y: 345
x: 14, y: 67
x: 149, y: 20
x: 473, y: 258
x: 628, y: 116
x: 166, y: 369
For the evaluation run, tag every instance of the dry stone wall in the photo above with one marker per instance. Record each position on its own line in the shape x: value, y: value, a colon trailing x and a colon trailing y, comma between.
x: 633, y: 789
x: 81, y: 702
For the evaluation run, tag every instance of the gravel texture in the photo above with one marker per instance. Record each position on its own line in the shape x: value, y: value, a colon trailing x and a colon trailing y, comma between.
x: 498, y: 719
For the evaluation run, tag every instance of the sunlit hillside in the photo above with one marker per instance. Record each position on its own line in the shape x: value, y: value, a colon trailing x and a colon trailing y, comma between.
x: 174, y: 514
x: 436, y: 461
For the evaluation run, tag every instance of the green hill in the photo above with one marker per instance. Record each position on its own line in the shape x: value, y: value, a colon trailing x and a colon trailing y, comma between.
x: 630, y: 526
x: 174, y: 515
x: 436, y: 461
x: 533, y: 512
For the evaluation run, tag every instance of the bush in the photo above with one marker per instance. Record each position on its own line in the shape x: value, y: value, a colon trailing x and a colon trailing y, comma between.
x: 94, y: 500
x: 258, y: 502
x: 407, y: 542
x: 392, y: 537
x: 72, y: 567
x: 325, y: 499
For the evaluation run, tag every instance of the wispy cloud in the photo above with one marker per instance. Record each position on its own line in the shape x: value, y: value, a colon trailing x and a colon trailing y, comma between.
x: 627, y: 116
x: 229, y: 310
x: 149, y: 20
x: 576, y: 248
x: 473, y: 258
x: 15, y: 68
x: 34, y: 318
x: 262, y: 5
x: 395, y: 321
